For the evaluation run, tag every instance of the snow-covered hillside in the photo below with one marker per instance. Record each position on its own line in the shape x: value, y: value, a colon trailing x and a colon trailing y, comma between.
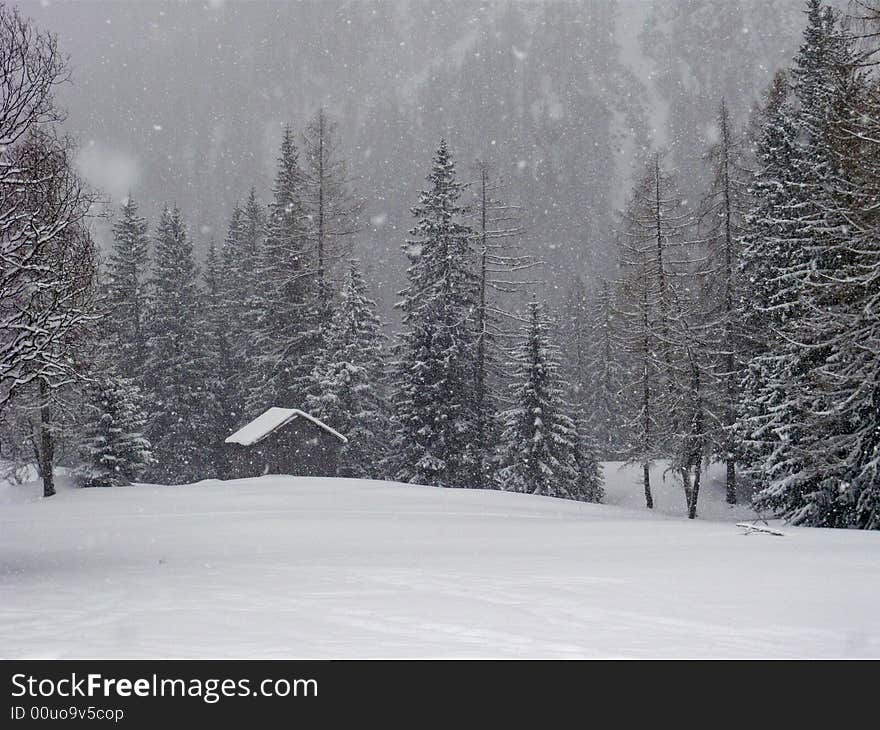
x: 294, y: 567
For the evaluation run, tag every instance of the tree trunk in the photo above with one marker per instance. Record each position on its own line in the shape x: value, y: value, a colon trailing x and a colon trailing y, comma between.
x: 47, y: 449
x: 686, y: 483
x: 646, y: 407
x: 730, y: 418
x: 480, y: 385
x: 730, y: 363
x: 731, y: 479
x: 695, y: 493
x: 321, y: 290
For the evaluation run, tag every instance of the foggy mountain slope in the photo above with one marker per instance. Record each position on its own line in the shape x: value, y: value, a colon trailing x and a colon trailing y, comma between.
x: 185, y: 102
x: 700, y: 51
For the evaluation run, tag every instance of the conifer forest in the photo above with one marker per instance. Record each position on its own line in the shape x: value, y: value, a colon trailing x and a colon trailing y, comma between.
x: 621, y: 254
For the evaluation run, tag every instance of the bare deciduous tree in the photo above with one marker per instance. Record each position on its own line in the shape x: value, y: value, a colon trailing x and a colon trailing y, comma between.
x: 47, y: 257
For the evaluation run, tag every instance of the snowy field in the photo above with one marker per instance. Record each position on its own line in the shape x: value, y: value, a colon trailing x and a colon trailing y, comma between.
x: 321, y: 568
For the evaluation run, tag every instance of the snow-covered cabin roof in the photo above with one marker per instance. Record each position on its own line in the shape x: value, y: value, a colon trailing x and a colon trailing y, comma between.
x: 271, y: 421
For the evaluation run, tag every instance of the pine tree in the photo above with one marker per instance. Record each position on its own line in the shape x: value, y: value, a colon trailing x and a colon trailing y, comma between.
x: 589, y: 469
x: 433, y: 398
x: 251, y: 239
x: 575, y: 333
x: 225, y: 371
x: 287, y: 328
x: 605, y: 362
x: 824, y: 471
x: 722, y: 215
x: 240, y: 253
x: 593, y: 364
x: 177, y: 368
x: 231, y: 253
x: 540, y: 440
x: 238, y: 289
x: 847, y: 289
x: 350, y: 396
x: 805, y: 221
x: 824, y: 85
x: 126, y: 289
x: 115, y: 451
x: 767, y: 246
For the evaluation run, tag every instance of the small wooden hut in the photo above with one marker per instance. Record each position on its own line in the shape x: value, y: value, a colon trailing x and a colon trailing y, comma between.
x: 285, y: 441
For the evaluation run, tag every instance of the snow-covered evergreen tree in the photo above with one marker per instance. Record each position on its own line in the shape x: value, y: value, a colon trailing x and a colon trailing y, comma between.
x: 231, y: 251
x: 287, y: 331
x: 115, y: 451
x: 822, y: 364
x: 722, y: 215
x: 769, y: 243
x: 589, y: 469
x: 540, y: 440
x: 239, y: 256
x: 433, y: 397
x: 225, y: 371
x: 237, y: 289
x: 846, y: 287
x: 177, y: 367
x: 251, y: 234
x: 606, y: 362
x: 574, y: 333
x: 798, y: 224
x: 126, y: 290
x: 593, y: 364
x: 349, y: 376
x: 583, y: 374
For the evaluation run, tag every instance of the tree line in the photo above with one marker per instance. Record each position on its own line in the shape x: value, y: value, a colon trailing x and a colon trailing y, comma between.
x: 744, y: 329
x: 166, y: 356
x: 741, y: 329
x: 468, y: 394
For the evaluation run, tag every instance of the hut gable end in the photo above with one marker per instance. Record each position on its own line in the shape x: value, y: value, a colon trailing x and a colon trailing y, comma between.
x: 285, y: 441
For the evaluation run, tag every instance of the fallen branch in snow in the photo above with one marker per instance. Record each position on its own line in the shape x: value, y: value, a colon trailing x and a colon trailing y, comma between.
x: 750, y: 528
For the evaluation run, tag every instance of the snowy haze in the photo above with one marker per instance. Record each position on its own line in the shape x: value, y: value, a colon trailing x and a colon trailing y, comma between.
x: 184, y: 103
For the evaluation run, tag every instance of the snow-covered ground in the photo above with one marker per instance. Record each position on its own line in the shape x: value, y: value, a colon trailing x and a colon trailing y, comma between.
x: 295, y: 567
